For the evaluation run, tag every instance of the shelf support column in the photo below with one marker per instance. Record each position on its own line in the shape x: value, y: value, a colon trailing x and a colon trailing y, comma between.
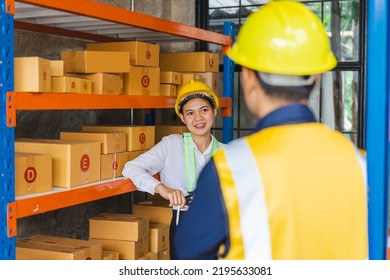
x: 7, y: 158
x: 378, y: 138
x: 228, y: 85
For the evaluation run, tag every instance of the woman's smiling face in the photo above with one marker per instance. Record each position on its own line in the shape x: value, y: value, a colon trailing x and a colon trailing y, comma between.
x: 198, y: 116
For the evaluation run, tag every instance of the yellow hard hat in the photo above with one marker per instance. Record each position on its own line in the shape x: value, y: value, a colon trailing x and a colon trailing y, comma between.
x: 283, y: 37
x: 194, y: 89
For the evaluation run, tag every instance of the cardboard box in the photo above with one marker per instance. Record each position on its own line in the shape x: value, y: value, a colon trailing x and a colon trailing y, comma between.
x: 164, y: 130
x: 141, y: 53
x: 138, y: 137
x: 104, y: 83
x: 92, y: 249
x: 163, y: 255
x: 118, y: 227
x: 32, y: 173
x: 110, y: 255
x: 111, y: 142
x: 149, y: 256
x: 73, y: 163
x: 66, y: 84
x: 111, y: 165
x: 170, y: 77
x: 212, y: 80
x: 158, y: 211
x: 133, y: 154
x: 95, y: 61
x: 86, y: 86
x: 168, y: 90
x: 26, y: 250
x: 190, y: 62
x: 141, y: 80
x: 186, y: 77
x: 32, y: 74
x: 158, y: 237
x: 57, y: 68
x: 128, y: 250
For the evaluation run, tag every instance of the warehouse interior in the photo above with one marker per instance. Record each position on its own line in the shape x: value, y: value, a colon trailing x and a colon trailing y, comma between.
x: 342, y: 101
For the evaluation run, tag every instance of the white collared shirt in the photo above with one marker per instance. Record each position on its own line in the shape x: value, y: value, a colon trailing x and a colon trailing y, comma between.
x: 166, y: 158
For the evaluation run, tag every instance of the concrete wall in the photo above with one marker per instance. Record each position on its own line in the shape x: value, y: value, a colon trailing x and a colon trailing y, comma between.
x: 73, y: 221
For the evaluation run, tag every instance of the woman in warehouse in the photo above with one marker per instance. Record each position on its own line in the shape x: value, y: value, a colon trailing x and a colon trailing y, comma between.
x: 179, y: 158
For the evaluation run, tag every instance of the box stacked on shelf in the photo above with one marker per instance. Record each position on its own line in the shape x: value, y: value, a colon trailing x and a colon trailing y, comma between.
x: 169, y: 81
x: 74, y: 163
x: 103, y: 69
x: 32, y: 74
x: 138, y: 137
x: 143, y: 73
x: 160, y: 216
x: 123, y: 233
x: 33, y: 173
x: 159, y: 240
x: 44, y: 247
x: 113, y: 150
x: 67, y: 83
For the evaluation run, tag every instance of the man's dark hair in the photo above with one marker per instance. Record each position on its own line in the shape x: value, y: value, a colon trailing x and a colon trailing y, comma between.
x: 288, y: 93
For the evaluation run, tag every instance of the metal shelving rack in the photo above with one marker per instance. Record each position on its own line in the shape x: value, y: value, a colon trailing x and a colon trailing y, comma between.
x: 94, y: 21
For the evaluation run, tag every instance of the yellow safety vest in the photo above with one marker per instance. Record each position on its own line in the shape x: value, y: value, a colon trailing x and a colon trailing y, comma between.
x: 294, y: 192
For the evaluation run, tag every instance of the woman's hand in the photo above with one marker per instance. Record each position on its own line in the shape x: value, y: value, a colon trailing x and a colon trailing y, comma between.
x: 175, y: 197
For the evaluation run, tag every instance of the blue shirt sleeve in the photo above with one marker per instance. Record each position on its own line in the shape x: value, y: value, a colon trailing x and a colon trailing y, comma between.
x: 203, y: 228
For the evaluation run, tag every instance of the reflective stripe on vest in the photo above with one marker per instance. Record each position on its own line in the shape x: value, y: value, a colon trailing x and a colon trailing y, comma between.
x: 243, y: 204
x: 303, y: 196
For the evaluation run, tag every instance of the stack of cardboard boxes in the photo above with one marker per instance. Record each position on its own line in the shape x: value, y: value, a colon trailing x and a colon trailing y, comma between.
x: 113, y: 150
x: 77, y: 158
x: 73, y: 163
x: 142, y: 75
x: 112, y: 236
x: 202, y: 66
x: 169, y: 83
x: 130, y: 68
x: 103, y: 68
x: 123, y: 233
x: 138, y: 138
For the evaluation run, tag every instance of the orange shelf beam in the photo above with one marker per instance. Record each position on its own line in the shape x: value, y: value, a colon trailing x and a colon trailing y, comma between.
x: 46, y: 202
x: 118, y: 15
x: 69, y: 101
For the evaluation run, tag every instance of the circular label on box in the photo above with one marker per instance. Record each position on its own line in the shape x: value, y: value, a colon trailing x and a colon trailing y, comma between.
x: 115, y: 165
x: 145, y: 81
x: 73, y: 85
x: 211, y: 62
x: 148, y: 54
x: 30, y: 174
x: 85, y: 163
x: 85, y: 86
x: 44, y: 76
x: 142, y: 138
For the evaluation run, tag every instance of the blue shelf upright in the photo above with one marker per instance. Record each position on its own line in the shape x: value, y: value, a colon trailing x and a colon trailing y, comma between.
x: 228, y: 86
x: 378, y: 138
x: 7, y: 134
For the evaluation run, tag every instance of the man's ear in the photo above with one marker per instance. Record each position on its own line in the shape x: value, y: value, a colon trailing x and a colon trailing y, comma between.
x: 250, y: 79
